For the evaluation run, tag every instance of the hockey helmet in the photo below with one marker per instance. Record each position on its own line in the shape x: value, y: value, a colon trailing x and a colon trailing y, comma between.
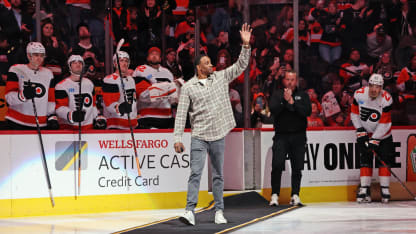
x: 121, y: 54
x: 75, y: 58
x: 35, y: 47
x: 376, y: 79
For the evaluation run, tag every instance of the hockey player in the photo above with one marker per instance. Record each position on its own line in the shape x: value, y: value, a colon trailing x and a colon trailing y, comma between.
x: 73, y: 108
x: 31, y: 81
x: 115, y: 108
x: 153, y: 113
x: 371, y: 116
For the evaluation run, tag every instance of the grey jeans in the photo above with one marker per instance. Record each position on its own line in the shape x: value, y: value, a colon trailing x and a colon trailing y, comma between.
x: 199, y: 150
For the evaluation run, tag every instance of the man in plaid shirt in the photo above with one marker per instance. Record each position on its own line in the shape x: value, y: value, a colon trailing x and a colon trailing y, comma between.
x: 206, y: 98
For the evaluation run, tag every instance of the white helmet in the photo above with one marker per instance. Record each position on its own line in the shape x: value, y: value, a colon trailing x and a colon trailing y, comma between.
x: 35, y: 47
x: 121, y: 54
x: 74, y: 58
x: 376, y: 79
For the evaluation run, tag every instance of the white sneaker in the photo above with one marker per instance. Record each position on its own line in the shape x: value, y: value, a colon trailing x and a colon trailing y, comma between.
x: 188, y: 218
x: 219, y: 217
x: 274, y: 200
x: 295, y: 200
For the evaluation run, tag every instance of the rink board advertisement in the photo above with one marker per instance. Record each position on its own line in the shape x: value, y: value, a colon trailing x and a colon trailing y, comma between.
x: 331, y: 158
x: 108, y: 165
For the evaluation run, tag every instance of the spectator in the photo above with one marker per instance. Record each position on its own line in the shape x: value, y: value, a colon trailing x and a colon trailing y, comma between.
x: 150, y: 24
x: 16, y: 24
x: 336, y: 105
x: 378, y: 42
x: 356, y: 20
x: 220, y: 21
x: 388, y: 70
x: 221, y: 43
x: 9, y: 55
x: 79, y: 12
x: 87, y: 50
x: 287, y: 59
x: 172, y: 64
x: 354, y: 72
x: 55, y: 50
x: 304, y: 36
x: 236, y: 105
x: 284, y: 19
x: 184, y: 26
x: 260, y: 112
x: 402, y: 18
x: 120, y: 19
x: 314, y: 120
x: 313, y: 96
x: 406, y: 84
x: 330, y: 43
x: 405, y: 49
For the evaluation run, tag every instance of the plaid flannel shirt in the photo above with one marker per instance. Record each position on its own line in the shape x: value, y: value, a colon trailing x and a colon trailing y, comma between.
x: 209, y: 105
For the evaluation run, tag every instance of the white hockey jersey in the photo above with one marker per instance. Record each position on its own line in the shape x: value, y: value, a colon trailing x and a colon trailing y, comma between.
x: 113, y: 96
x: 21, y: 110
x: 67, y: 100
x: 160, y: 108
x: 373, y: 115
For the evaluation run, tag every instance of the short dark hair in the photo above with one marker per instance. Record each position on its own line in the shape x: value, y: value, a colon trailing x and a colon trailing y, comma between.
x: 198, y: 58
x: 82, y: 24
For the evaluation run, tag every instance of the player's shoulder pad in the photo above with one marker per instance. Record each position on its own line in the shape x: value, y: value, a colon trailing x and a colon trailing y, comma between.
x: 139, y: 69
x: 387, y: 99
x: 110, y: 78
x: 361, y: 91
x: 16, y: 68
x: 61, y: 83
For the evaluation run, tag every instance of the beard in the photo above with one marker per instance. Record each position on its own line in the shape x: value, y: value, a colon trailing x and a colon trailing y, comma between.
x: 151, y: 63
x: 84, y: 37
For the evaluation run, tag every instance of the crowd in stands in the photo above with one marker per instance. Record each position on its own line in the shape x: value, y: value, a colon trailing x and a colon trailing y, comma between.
x: 341, y: 43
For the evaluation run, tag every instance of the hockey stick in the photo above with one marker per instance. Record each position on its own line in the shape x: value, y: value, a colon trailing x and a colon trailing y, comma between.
x: 81, y: 101
x: 395, y: 176
x: 120, y: 43
x: 45, y: 165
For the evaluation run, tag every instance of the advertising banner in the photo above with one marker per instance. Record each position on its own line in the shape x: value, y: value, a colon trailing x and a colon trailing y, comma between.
x: 108, y: 165
x: 331, y: 158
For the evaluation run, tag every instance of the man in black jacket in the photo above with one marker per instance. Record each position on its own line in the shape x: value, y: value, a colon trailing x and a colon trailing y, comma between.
x: 290, y: 108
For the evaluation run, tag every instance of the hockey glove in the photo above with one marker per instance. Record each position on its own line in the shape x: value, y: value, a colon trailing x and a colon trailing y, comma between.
x: 29, y: 91
x: 124, y: 108
x: 52, y: 123
x: 362, y: 136
x: 100, y: 122
x: 373, y: 144
x: 78, y: 116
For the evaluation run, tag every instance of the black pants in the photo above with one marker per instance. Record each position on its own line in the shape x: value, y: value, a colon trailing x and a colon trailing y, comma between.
x: 293, y: 145
x: 160, y: 123
x: 15, y: 126
x: 385, y: 151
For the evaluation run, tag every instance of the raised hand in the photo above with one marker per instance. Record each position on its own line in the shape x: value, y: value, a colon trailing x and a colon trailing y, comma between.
x: 245, y: 33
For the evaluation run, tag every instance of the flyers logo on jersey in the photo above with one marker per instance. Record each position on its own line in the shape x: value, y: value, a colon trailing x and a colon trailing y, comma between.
x: 40, y: 90
x: 369, y: 114
x: 86, y: 99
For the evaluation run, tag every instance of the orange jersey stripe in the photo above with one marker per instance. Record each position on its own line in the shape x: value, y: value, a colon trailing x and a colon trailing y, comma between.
x: 25, y: 118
